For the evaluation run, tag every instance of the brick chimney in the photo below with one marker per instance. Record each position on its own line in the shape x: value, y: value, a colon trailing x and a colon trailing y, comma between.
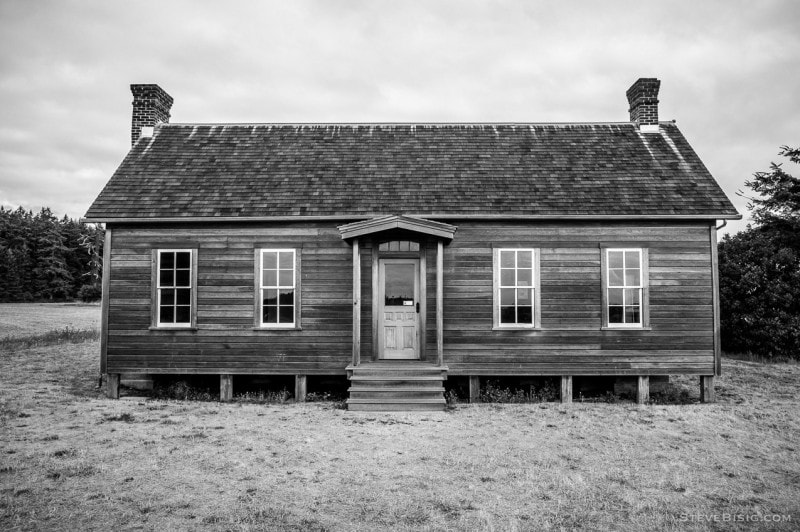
x: 151, y: 106
x: 643, y: 102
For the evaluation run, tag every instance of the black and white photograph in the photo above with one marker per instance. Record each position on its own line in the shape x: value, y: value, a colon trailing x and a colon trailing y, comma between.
x: 414, y: 265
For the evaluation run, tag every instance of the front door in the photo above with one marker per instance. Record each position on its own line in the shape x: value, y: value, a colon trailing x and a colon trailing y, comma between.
x: 398, y: 316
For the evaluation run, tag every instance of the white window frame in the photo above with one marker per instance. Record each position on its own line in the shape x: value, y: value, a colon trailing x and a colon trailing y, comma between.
x: 157, y: 289
x: 642, y: 287
x: 260, y: 287
x: 535, y: 290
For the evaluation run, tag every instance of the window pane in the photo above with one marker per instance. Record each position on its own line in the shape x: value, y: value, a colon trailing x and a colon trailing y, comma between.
x: 414, y: 246
x: 506, y: 277
x: 507, y: 296
x: 399, y: 284
x: 507, y: 315
x: 286, y: 297
x: 287, y: 260
x: 384, y: 247
x: 167, y: 260
x: 525, y: 277
x: 270, y: 260
x: 183, y: 278
x: 631, y: 259
x: 631, y: 314
x: 615, y: 315
x: 525, y: 315
x: 270, y: 314
x: 394, y: 245
x: 287, y: 314
x: 615, y: 296
x: 166, y: 278
x: 507, y: 259
x: 524, y: 259
x: 166, y: 314
x: 183, y: 259
x: 269, y: 278
x: 270, y: 297
x: 404, y: 245
x: 615, y: 278
x: 287, y: 278
x: 615, y: 259
x: 184, y: 296
x: 523, y: 296
x: 182, y: 315
x: 632, y: 278
x: 632, y: 296
x: 168, y: 297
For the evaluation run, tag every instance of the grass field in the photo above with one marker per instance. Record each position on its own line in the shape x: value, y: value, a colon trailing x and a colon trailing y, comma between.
x: 31, y: 319
x: 73, y: 460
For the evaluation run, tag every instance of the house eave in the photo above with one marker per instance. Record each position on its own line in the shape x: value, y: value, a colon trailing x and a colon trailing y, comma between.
x: 435, y: 216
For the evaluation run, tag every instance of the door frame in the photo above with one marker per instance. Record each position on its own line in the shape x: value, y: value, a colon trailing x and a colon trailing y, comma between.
x: 381, y: 299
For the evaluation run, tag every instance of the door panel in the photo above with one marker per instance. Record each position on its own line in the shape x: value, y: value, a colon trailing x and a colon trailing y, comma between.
x: 398, y: 297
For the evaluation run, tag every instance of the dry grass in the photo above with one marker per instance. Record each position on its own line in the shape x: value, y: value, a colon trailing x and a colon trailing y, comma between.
x: 72, y: 460
x: 32, y: 319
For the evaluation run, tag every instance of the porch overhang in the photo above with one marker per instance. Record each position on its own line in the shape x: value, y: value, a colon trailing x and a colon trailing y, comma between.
x: 385, y: 223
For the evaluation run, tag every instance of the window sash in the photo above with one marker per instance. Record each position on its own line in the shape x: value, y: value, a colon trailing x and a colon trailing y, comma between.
x: 174, y: 290
x: 279, y: 287
x: 523, y: 289
x: 625, y: 288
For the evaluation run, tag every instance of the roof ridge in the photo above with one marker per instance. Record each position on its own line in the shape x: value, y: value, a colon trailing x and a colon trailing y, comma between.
x: 301, y: 124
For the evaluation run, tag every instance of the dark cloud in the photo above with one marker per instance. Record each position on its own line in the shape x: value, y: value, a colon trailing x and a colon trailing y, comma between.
x: 730, y: 73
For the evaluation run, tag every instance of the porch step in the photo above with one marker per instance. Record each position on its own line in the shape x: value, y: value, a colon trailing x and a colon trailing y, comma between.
x: 396, y: 387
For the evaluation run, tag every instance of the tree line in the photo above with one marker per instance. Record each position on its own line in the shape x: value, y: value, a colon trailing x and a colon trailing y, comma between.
x: 759, y: 269
x: 44, y: 258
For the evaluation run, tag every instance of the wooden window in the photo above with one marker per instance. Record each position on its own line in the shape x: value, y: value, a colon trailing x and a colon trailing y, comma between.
x: 278, y: 293
x: 516, y: 288
x: 625, y: 287
x: 175, y: 288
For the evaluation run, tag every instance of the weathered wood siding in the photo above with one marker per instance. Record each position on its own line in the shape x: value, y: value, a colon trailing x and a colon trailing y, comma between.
x: 680, y: 339
x: 570, y: 342
x: 225, y: 340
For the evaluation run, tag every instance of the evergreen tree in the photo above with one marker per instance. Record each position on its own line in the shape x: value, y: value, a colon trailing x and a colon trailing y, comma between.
x: 54, y: 280
x: 759, y: 269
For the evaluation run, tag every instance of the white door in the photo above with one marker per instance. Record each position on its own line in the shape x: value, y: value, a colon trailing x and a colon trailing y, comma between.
x: 398, y: 302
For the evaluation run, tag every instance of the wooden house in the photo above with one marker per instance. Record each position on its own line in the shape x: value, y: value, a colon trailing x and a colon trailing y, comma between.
x: 399, y: 254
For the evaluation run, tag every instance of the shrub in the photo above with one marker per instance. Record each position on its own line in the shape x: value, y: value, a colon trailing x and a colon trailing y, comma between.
x: 90, y: 293
x: 183, y: 391
x: 492, y: 392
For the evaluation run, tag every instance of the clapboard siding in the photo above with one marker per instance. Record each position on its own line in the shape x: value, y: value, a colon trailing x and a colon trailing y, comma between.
x: 570, y: 341
x: 225, y: 340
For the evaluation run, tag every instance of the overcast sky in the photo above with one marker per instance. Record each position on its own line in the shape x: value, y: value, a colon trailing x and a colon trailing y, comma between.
x: 730, y: 74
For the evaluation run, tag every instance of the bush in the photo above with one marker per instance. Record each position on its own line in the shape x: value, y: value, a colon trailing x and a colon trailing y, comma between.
x: 492, y: 392
x: 90, y: 293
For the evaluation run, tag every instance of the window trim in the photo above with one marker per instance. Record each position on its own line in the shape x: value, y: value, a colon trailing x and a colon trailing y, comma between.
x: 536, y: 288
x: 644, y: 314
x: 155, y: 298
x: 258, y: 311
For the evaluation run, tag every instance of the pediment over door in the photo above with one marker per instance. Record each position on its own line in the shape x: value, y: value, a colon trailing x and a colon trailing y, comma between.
x: 386, y: 223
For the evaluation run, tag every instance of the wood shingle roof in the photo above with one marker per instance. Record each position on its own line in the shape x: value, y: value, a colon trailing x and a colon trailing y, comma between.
x: 525, y: 170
